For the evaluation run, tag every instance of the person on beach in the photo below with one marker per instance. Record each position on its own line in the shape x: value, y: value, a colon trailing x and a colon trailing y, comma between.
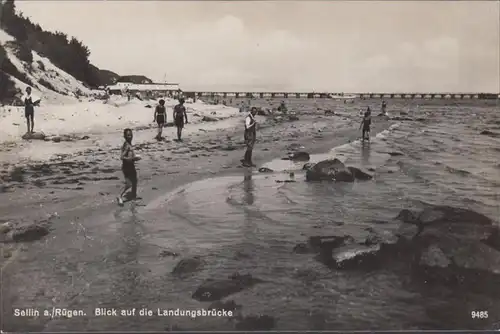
x: 180, y: 117
x: 384, y: 107
x: 30, y: 102
x: 250, y: 137
x: 365, y: 124
x: 128, y: 158
x: 160, y: 117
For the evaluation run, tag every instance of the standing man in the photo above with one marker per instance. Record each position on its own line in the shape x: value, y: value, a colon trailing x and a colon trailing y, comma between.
x: 160, y: 117
x: 384, y: 107
x: 180, y: 117
x: 128, y: 158
x: 30, y: 102
x: 366, y: 123
x: 250, y: 137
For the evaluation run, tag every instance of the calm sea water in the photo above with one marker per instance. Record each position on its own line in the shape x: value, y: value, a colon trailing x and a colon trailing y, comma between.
x: 249, y: 223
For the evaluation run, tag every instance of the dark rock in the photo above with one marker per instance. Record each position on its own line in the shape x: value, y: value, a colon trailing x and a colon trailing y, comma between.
x: 209, y: 119
x: 85, y: 138
x: 395, y: 154
x: 188, y: 266
x: 359, y: 174
x: 165, y: 253
x: 299, y: 156
x: 256, y: 323
x: 285, y: 181
x: 322, y: 245
x: 29, y: 233
x: 294, y: 146
x: 148, y: 106
x: 293, y: 118
x: 229, y: 305
x: 440, y: 244
x: 212, y: 290
x: 408, y: 216
x: 493, y: 240
x: 308, y: 166
x: 35, y: 136
x: 335, y: 170
x: 329, y: 113
x: 355, y: 257
x: 326, y: 170
x: 303, y: 248
x: 265, y: 170
x: 490, y: 133
x: 16, y: 174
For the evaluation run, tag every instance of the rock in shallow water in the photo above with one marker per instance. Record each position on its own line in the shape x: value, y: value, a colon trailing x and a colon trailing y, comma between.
x: 334, y: 170
x: 265, y: 170
x: 188, y: 266
x: 298, y: 156
x: 440, y: 244
x: 26, y: 233
x: 216, y: 289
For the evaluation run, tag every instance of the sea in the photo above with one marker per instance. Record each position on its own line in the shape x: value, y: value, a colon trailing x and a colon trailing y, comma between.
x: 249, y: 224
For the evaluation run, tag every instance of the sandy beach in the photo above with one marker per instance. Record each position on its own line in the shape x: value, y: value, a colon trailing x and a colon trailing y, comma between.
x: 203, y: 217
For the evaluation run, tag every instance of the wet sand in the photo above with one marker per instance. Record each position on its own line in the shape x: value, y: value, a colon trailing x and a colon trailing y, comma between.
x: 76, y: 193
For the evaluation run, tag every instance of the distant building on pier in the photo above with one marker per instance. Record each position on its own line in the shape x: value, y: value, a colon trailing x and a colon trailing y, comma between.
x: 153, y: 89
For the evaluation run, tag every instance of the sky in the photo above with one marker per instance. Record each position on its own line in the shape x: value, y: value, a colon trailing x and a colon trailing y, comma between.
x: 333, y: 46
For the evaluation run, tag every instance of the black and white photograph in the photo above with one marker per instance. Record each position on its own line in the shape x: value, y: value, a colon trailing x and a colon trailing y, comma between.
x: 224, y: 166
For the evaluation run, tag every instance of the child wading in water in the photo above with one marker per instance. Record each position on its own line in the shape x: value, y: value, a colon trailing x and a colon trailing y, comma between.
x: 366, y: 123
x: 128, y: 158
x: 160, y: 117
x: 180, y: 117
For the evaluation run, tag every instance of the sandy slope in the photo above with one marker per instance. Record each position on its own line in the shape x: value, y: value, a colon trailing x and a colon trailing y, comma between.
x: 42, y: 71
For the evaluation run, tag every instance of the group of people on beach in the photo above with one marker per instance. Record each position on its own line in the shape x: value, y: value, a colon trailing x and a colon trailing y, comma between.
x: 128, y: 155
x: 129, y: 158
x: 179, y: 116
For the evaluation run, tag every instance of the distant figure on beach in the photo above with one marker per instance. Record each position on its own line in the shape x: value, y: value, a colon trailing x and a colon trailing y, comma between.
x: 180, y: 117
x: 282, y: 107
x: 384, y: 108
x: 128, y: 158
x: 250, y: 137
x: 30, y: 102
x: 160, y: 117
x: 365, y: 124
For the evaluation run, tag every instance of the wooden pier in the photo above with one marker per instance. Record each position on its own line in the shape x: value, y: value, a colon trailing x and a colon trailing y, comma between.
x: 346, y: 96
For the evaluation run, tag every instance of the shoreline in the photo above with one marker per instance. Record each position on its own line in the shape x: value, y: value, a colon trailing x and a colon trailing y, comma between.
x: 90, y: 203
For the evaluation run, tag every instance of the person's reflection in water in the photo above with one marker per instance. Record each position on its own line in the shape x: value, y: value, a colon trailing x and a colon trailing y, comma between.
x: 126, y: 260
x: 365, y: 153
x: 250, y: 215
x: 248, y: 188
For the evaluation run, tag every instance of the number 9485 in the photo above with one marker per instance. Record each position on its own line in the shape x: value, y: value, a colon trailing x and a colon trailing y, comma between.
x: 479, y: 314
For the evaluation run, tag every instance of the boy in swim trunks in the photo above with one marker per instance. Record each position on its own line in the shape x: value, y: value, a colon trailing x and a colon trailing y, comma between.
x: 128, y: 158
x: 366, y: 123
x: 180, y: 117
x: 160, y: 117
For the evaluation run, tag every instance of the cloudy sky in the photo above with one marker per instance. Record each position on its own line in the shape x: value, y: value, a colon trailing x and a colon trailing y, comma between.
x: 351, y: 46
